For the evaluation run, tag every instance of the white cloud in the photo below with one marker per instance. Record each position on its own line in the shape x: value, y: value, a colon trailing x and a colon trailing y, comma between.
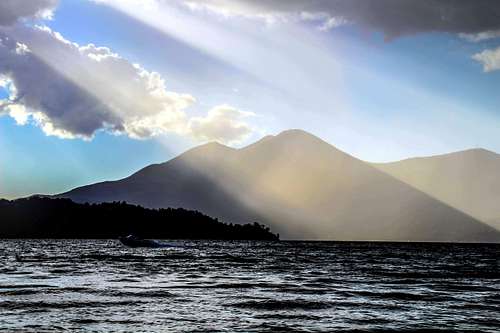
x: 333, y: 22
x: 22, y: 49
x: 490, y: 59
x: 73, y: 91
x: 81, y: 89
x: 222, y: 123
x: 481, y: 36
x: 13, y: 10
x: 18, y: 113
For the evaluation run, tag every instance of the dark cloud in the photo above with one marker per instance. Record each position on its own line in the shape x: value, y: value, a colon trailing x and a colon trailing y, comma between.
x: 13, y: 10
x: 60, y: 105
x: 392, y: 17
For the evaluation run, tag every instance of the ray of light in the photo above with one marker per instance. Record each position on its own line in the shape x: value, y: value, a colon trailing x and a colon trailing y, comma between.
x: 299, y: 66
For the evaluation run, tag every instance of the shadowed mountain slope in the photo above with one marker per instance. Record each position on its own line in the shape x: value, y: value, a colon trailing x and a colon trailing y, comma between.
x: 467, y: 180
x: 298, y: 184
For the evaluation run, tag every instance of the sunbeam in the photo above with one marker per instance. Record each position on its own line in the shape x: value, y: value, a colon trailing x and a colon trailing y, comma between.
x: 305, y: 62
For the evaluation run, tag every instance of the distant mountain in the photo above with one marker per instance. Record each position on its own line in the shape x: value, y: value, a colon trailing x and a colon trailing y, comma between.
x: 301, y: 186
x: 468, y: 181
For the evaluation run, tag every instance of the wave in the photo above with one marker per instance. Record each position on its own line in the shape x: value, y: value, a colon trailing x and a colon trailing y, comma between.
x: 46, y: 305
x: 273, y: 304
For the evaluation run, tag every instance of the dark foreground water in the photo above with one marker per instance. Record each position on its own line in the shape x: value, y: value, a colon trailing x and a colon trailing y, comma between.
x: 100, y: 286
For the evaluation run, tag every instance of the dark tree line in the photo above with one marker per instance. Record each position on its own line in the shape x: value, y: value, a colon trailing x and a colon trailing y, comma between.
x: 38, y: 217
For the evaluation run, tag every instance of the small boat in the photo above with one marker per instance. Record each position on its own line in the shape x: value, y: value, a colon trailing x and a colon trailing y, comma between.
x: 134, y: 241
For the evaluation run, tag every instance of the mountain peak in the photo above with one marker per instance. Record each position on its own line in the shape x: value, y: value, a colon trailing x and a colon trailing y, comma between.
x: 296, y: 133
x: 298, y: 137
x: 208, y: 150
x: 214, y: 144
x: 482, y: 151
x: 287, y: 136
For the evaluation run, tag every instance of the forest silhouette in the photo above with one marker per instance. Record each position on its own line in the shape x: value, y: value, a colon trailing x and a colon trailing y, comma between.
x: 39, y: 217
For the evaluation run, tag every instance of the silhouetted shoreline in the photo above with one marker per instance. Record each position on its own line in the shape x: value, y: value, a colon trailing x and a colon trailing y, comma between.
x: 38, y: 217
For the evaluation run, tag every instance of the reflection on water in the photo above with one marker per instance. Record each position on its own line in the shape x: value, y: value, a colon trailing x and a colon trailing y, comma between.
x: 100, y: 286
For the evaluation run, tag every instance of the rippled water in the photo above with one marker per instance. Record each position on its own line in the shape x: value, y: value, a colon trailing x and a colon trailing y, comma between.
x: 101, y: 286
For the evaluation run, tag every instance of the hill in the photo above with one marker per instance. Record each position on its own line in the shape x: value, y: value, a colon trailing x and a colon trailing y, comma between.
x: 62, y: 218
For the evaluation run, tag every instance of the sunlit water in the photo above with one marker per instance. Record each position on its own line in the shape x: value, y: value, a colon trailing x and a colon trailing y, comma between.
x: 101, y: 286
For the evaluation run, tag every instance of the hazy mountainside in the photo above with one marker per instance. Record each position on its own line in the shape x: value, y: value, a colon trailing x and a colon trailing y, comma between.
x: 467, y: 180
x: 299, y: 185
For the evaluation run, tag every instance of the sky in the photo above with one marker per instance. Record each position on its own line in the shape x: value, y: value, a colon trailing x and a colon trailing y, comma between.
x: 93, y: 90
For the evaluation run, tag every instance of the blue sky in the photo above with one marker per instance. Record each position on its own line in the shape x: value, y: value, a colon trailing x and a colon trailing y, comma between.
x: 232, y: 75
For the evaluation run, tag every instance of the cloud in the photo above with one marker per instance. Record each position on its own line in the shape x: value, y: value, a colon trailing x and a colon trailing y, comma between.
x: 73, y: 91
x: 490, y: 59
x: 481, y: 36
x: 13, y: 10
x: 393, y: 18
x: 223, y: 123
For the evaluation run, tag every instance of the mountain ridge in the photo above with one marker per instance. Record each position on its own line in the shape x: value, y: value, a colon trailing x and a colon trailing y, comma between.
x: 468, y: 180
x: 441, y: 155
x: 297, y: 183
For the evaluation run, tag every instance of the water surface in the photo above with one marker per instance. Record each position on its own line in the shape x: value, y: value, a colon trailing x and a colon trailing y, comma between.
x: 204, y: 286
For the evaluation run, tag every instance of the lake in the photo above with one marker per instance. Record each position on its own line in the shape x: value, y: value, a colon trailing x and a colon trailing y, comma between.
x: 207, y: 286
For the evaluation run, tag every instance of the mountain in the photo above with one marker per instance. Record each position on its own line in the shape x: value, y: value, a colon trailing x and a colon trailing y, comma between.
x: 468, y: 181
x: 299, y: 185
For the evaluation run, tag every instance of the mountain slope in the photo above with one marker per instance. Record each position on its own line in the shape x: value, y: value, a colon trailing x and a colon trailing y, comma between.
x: 299, y: 185
x: 467, y: 180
